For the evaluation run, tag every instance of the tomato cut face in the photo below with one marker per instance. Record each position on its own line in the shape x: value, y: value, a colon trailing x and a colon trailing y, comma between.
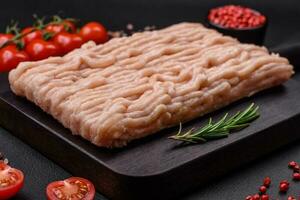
x: 11, y: 181
x: 73, y: 188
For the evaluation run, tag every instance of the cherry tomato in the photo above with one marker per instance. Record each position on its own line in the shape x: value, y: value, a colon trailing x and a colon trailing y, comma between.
x: 39, y: 49
x: 65, y: 26
x: 54, y: 28
x: 94, y: 31
x: 37, y: 34
x: 68, y: 41
x: 73, y: 188
x: 70, y: 26
x: 10, y: 57
x: 4, y: 37
x: 11, y: 181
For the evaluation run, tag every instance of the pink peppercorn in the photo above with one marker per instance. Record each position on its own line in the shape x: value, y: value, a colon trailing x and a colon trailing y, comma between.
x: 263, y: 189
x: 265, y: 197
x: 292, y: 164
x: 296, y: 176
x: 236, y: 17
x: 248, y: 198
x: 296, y: 168
x: 256, y: 197
x: 283, y: 187
x: 267, y: 181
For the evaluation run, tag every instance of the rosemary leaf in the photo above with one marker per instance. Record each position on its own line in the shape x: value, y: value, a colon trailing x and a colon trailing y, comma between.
x: 220, y: 129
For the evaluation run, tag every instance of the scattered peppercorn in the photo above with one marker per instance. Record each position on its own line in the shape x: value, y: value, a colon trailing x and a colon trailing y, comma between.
x: 263, y: 189
x: 291, y: 198
x: 285, y: 181
x: 264, y: 197
x: 283, y: 187
x: 236, y: 17
x: 296, y: 176
x: 292, y: 164
x: 249, y: 197
x: 256, y: 197
x: 267, y: 181
x: 297, y: 168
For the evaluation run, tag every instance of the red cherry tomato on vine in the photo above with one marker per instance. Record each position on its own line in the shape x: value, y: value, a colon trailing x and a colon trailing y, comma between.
x: 39, y: 49
x: 68, y: 41
x: 65, y: 26
x: 72, y: 188
x: 11, y: 181
x: 70, y: 26
x: 54, y: 28
x: 4, y: 37
x: 37, y: 34
x: 10, y: 57
x: 94, y: 31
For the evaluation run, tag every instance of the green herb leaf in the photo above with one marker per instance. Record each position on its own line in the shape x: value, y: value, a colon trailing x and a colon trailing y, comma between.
x: 220, y: 129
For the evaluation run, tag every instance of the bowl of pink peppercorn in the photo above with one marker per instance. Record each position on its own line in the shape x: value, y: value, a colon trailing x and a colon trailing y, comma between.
x: 245, y: 24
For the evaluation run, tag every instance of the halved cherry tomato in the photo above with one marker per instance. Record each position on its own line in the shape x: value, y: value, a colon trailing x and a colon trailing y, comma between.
x: 65, y: 26
x: 11, y: 181
x: 4, y: 37
x: 94, y: 31
x: 67, y: 41
x: 73, y: 188
x: 39, y: 49
x: 37, y: 34
x: 10, y: 57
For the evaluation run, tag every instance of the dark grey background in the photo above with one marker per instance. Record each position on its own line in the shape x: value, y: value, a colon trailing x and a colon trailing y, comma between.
x: 283, y: 15
x: 283, y: 31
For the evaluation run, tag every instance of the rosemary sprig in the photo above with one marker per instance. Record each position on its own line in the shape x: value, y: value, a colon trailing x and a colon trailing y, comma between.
x: 220, y: 129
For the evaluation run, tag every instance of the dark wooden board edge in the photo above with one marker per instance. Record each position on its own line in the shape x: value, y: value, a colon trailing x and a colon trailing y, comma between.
x: 171, y: 183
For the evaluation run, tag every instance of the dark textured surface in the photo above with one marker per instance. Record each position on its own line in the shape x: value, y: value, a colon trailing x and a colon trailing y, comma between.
x: 39, y: 171
x: 283, y: 32
x: 234, y: 186
x: 115, y: 14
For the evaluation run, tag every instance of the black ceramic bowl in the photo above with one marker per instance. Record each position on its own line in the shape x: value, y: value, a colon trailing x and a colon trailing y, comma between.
x: 253, y: 35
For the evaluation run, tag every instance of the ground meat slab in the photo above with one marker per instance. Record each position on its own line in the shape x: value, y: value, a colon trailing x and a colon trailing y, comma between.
x: 131, y: 87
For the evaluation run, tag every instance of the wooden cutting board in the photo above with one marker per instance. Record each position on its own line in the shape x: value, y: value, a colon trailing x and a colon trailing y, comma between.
x: 157, y: 167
